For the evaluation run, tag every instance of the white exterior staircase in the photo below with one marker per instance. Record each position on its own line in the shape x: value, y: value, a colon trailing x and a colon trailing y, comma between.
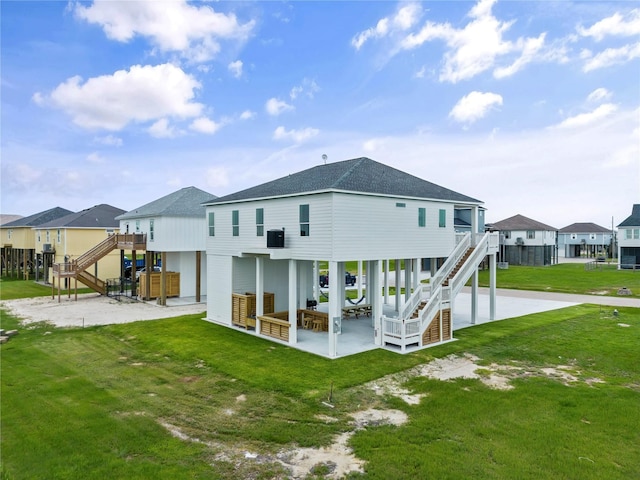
x: 426, y: 317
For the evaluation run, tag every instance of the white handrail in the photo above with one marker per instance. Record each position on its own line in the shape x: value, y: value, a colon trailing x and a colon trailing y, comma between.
x: 476, y: 257
x: 451, y: 261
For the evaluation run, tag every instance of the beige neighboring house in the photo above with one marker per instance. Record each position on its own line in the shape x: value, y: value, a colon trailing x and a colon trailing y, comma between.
x: 67, y: 238
x: 18, y: 245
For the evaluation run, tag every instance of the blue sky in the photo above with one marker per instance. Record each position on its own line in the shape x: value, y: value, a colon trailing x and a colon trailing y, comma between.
x: 531, y: 107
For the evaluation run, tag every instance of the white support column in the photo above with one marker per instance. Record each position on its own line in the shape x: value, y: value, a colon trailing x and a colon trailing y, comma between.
x: 398, y: 279
x: 416, y: 277
x: 492, y: 286
x: 407, y: 279
x: 359, y: 279
x: 335, y: 305
x: 374, y: 276
x: 316, y: 279
x: 474, y: 221
x: 293, y: 302
x: 474, y: 297
x: 259, y: 291
x: 386, y: 281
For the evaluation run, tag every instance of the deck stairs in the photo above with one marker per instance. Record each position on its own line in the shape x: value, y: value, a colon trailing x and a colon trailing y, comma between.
x: 77, y: 268
x: 426, y: 317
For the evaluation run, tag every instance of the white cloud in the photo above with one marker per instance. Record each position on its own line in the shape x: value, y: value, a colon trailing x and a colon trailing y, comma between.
x: 162, y: 129
x: 236, y: 68
x: 298, y: 136
x: 194, y: 31
x: 275, y: 106
x: 217, y: 177
x: 474, y: 106
x: 141, y: 94
x: 610, y: 56
x: 205, y: 125
x: 247, y: 115
x: 95, y: 157
x: 404, y: 19
x: 599, y: 94
x: 109, y: 140
x: 615, y: 25
x: 590, y: 118
x: 308, y: 87
x: 530, y: 49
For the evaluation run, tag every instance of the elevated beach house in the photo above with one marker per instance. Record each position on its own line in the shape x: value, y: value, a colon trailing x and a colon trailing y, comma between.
x: 629, y: 240
x: 524, y: 241
x: 584, y: 239
x: 265, y: 244
x: 175, y: 230
x: 18, y: 244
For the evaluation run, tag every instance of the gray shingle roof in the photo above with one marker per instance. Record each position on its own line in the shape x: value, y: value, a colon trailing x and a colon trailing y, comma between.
x: 357, y: 175
x: 520, y: 222
x: 186, y: 202
x: 634, y: 219
x: 39, y: 218
x: 99, y: 216
x: 584, y: 227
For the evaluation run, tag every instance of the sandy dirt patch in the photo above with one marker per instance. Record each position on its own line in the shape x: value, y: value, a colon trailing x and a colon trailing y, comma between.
x: 92, y: 309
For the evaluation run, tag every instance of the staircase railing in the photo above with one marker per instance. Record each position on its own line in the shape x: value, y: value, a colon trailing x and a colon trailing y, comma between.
x: 451, y: 262
x: 96, y: 253
x: 416, y: 297
x: 92, y: 281
x: 479, y: 252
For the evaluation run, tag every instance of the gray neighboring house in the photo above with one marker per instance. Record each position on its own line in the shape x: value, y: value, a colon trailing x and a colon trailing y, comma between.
x: 629, y: 240
x: 176, y: 227
x: 524, y: 241
x: 584, y: 239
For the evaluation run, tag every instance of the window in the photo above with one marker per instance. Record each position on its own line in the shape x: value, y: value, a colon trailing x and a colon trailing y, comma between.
x: 137, y: 226
x: 632, y: 234
x: 507, y: 234
x: 235, y: 222
x: 212, y: 224
x: 151, y: 230
x: 59, y: 236
x: 442, y: 218
x: 401, y: 205
x: 9, y: 234
x: 422, y: 217
x: 304, y: 220
x: 531, y: 234
x: 39, y: 240
x: 48, y: 236
x: 260, y: 222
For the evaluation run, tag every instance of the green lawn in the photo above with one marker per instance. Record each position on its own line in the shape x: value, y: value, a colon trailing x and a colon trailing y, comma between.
x: 91, y: 403
x: 566, y: 278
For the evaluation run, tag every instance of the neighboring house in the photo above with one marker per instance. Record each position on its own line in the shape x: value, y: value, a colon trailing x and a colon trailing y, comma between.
x: 18, y: 243
x: 264, y: 244
x: 7, y: 217
x: 629, y: 240
x: 176, y: 227
x: 524, y: 241
x: 584, y: 239
x: 67, y: 238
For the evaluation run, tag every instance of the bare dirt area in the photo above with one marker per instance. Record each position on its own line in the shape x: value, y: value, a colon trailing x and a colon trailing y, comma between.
x: 92, y: 309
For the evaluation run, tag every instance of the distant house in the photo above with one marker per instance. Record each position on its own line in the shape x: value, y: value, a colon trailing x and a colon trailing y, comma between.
x: 264, y: 245
x: 176, y: 227
x: 583, y: 239
x: 67, y: 238
x: 20, y: 254
x: 629, y: 240
x: 524, y: 241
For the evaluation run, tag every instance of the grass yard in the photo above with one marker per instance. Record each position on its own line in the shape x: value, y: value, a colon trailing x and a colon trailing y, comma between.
x: 102, y: 402
x: 566, y: 278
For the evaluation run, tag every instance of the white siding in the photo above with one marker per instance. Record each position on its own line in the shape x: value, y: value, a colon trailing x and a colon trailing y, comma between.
x: 342, y: 227
x: 219, y: 289
x: 185, y: 263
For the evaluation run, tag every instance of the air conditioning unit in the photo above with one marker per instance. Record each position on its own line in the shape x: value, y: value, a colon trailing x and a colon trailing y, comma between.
x: 46, y: 247
x: 275, y: 239
x: 519, y: 241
